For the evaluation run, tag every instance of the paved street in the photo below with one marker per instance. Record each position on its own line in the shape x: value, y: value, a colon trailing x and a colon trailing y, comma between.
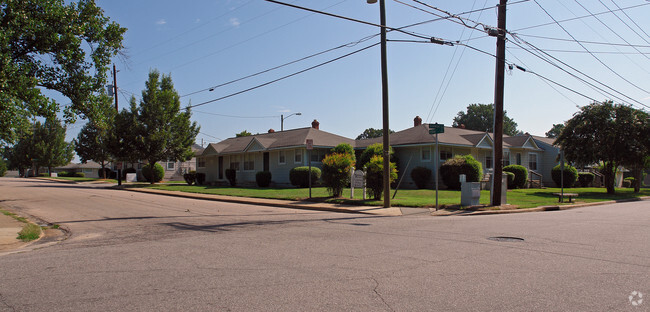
x: 129, y: 251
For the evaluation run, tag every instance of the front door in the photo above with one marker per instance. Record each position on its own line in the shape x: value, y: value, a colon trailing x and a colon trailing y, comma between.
x: 266, y: 161
x: 220, y: 168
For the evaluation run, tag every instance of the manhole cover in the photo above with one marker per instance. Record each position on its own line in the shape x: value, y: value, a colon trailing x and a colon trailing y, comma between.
x: 506, y: 239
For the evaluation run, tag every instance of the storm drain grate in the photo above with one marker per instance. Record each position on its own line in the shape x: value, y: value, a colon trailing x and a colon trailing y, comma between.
x: 506, y: 239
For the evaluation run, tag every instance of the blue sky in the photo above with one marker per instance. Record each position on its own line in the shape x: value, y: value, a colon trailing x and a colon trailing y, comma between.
x: 207, y: 43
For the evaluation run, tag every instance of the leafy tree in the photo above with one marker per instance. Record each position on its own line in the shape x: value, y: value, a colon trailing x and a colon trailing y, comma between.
x: 372, y: 133
x: 163, y: 131
x: 92, y: 143
x: 336, y: 172
x: 49, y: 146
x: 243, y: 134
x: 56, y: 46
x: 3, y: 167
x: 344, y: 148
x: 371, y: 150
x: 125, y: 141
x: 480, y: 117
x: 555, y: 131
x: 19, y: 156
x: 615, y: 134
x: 375, y: 175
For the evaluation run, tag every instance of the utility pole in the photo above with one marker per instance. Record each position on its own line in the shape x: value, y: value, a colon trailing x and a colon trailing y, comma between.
x: 498, y: 103
x: 119, y: 170
x: 384, y: 106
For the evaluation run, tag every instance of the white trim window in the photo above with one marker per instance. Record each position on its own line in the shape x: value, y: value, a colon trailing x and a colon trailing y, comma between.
x: 506, y: 158
x: 297, y: 156
x: 282, y: 159
x: 425, y: 154
x: 200, y: 162
x: 171, y: 165
x: 444, y: 155
x: 532, y: 161
x: 519, y: 159
x: 488, y: 161
x: 249, y: 162
x: 234, y: 162
x: 87, y: 170
x: 317, y: 155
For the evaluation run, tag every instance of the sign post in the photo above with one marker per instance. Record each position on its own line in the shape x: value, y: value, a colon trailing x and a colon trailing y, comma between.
x: 310, y: 146
x: 435, y: 129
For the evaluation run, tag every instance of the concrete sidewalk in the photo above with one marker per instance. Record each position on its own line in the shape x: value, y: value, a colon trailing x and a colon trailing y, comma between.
x: 9, y: 228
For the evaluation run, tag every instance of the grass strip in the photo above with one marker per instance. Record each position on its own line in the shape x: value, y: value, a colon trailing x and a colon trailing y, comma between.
x: 29, y: 232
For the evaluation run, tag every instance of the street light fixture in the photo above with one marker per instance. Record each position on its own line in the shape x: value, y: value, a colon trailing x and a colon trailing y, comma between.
x: 282, y: 118
x: 384, y: 97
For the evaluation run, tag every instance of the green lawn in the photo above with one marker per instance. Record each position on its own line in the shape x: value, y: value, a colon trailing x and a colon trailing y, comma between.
x: 524, y: 198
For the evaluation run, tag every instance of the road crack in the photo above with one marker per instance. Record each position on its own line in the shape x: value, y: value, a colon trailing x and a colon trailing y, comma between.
x: 2, y: 300
x: 379, y: 295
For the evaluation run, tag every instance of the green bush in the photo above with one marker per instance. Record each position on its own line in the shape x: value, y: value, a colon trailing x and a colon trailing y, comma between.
x: 106, y: 170
x: 372, y: 150
x: 158, y: 172
x: 200, y: 178
x: 336, y: 172
x: 299, y: 176
x: 3, y: 167
x: 375, y: 176
x: 231, y: 175
x: 451, y: 170
x: 63, y: 174
x: 521, y: 176
x: 511, y: 179
x: 79, y: 175
x: 43, y: 174
x: 263, y: 178
x: 628, y: 182
x: 570, y: 175
x: 189, y: 177
x: 421, y: 176
x: 344, y: 148
x: 585, y: 178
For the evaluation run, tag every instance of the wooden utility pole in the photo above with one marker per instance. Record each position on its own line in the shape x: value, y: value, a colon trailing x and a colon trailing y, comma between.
x: 498, y: 104
x: 384, y: 106
x: 119, y: 170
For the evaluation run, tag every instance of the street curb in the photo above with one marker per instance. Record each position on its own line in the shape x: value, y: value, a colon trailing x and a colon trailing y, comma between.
x: 263, y: 201
x: 54, y: 180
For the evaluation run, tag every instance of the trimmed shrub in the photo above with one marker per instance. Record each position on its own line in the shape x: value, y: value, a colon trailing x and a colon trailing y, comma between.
x: 263, y: 178
x: 421, y: 176
x: 100, y: 173
x: 454, y: 167
x: 344, y: 148
x: 570, y: 175
x: 628, y: 182
x: 158, y: 172
x: 231, y: 175
x: 43, y: 174
x: 79, y: 175
x: 299, y: 177
x: 511, y: 179
x: 200, y: 178
x: 336, y: 172
x: 521, y: 176
x: 190, y: 177
x: 375, y: 176
x: 585, y: 178
x: 372, y: 150
x: 63, y: 174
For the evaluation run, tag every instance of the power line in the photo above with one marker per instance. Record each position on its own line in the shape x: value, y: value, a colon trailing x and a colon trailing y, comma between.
x: 624, y: 23
x: 283, y: 77
x: 594, y: 56
x: 234, y: 116
x: 597, y: 52
x: 585, y: 41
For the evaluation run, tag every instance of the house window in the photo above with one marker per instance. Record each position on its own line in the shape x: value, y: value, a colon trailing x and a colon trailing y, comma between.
x: 281, y: 158
x: 425, y: 153
x: 249, y: 162
x: 532, y: 161
x: 297, y: 157
x: 519, y: 159
x: 506, y: 159
x: 317, y: 155
x: 234, y: 162
x: 444, y: 155
x: 488, y: 161
x: 87, y: 170
x: 200, y: 162
x: 170, y: 165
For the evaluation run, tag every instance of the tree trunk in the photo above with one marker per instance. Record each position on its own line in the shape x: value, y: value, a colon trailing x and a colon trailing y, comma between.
x: 152, y: 166
x: 610, y: 176
x: 638, y: 176
x: 103, y: 170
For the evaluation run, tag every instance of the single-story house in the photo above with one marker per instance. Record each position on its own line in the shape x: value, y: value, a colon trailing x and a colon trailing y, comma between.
x: 90, y: 169
x: 174, y: 170
x: 279, y: 152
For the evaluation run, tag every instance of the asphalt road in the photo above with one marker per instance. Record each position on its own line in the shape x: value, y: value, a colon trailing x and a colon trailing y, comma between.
x: 139, y: 252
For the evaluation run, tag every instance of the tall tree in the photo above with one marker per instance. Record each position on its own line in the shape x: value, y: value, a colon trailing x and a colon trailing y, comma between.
x: 48, y: 44
x: 614, y: 134
x: 555, y: 131
x: 371, y: 133
x: 480, y: 117
x: 50, y: 148
x: 19, y: 155
x: 164, y: 131
x: 94, y: 139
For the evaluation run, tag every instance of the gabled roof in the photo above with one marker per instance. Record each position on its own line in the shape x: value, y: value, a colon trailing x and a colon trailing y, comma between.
x: 277, y: 140
x: 88, y: 165
x: 419, y: 135
x: 545, y: 140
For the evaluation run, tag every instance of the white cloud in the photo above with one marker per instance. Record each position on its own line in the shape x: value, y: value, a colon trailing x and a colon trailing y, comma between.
x: 161, y: 22
x: 234, y: 22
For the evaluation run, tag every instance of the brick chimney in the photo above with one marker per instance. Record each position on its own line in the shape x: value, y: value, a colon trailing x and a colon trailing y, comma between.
x: 271, y: 130
x: 315, y: 124
x: 417, y: 121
